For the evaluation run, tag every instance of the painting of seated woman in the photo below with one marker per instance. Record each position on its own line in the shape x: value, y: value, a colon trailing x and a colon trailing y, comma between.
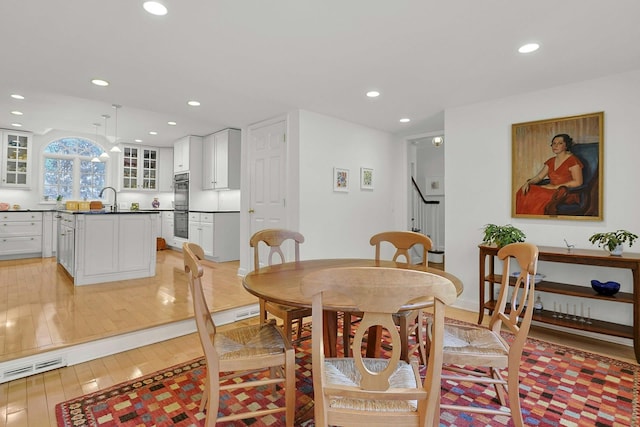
x: 566, y: 184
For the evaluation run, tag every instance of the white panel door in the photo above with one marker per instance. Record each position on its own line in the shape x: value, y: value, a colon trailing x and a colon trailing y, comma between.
x: 267, y: 187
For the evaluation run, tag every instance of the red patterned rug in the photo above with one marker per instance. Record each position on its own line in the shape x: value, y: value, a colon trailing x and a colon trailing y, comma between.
x: 560, y: 386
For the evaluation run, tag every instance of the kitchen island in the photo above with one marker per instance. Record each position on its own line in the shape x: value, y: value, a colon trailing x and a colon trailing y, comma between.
x: 98, y: 247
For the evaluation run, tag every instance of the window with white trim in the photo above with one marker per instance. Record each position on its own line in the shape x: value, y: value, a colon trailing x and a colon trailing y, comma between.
x: 69, y: 171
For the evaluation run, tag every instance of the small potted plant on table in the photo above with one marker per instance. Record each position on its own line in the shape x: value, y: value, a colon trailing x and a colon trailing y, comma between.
x: 502, y: 235
x: 613, y: 241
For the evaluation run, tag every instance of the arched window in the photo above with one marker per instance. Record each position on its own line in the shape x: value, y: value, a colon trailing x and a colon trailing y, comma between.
x: 69, y: 171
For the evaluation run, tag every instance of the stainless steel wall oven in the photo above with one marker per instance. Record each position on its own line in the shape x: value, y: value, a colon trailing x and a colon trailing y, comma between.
x: 181, y: 205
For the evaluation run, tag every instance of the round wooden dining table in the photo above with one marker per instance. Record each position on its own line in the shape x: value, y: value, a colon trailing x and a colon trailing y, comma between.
x: 280, y: 284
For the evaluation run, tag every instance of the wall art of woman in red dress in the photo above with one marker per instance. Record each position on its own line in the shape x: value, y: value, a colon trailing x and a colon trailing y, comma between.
x: 564, y: 169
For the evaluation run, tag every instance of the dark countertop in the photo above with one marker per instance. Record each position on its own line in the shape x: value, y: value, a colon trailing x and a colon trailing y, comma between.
x: 103, y: 212
x: 30, y: 210
x: 191, y: 210
x: 119, y: 212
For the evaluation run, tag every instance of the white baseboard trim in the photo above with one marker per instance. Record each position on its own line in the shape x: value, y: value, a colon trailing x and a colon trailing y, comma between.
x: 80, y: 353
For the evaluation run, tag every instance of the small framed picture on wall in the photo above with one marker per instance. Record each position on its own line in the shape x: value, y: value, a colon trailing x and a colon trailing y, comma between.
x: 340, y: 179
x: 366, y: 179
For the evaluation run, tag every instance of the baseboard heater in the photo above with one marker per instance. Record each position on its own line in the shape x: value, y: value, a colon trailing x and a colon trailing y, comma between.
x: 33, y: 368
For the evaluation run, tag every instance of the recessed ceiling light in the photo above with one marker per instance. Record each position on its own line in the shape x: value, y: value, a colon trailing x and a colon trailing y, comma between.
x: 155, y: 8
x: 153, y: 132
x: 137, y: 140
x: 17, y: 96
x: 100, y: 82
x: 405, y: 120
x: 171, y: 123
x: 194, y: 103
x: 529, y: 47
x: 373, y: 94
x: 18, y: 125
x: 16, y: 113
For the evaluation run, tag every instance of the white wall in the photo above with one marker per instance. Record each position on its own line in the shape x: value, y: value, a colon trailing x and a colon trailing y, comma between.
x: 339, y: 225
x: 478, y: 181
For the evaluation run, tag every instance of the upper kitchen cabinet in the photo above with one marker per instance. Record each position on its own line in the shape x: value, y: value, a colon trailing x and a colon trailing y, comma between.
x: 165, y: 182
x: 17, y: 155
x: 139, y: 168
x: 187, y: 154
x: 221, y: 160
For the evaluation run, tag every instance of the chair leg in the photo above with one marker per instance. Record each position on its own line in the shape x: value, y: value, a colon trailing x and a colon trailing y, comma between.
x: 287, y: 328
x: 205, y: 395
x: 299, y: 334
x: 420, y: 335
x: 404, y: 339
x: 346, y: 334
x: 290, y: 387
x: 514, y: 398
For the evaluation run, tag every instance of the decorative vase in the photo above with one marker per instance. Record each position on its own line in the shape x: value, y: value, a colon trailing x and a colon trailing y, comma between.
x: 617, y: 251
x: 155, y: 203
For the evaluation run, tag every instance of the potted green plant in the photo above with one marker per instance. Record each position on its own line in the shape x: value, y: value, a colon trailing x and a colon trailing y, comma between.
x: 502, y: 235
x: 613, y: 241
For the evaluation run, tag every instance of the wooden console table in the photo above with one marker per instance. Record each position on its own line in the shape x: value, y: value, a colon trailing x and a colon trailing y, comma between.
x: 630, y: 261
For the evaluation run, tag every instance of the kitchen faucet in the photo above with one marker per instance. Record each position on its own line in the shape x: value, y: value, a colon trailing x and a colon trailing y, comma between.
x: 114, y: 207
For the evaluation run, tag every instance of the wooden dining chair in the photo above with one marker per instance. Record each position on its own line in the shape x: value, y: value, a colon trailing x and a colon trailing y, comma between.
x: 274, y: 239
x: 480, y: 354
x: 409, y: 322
x: 358, y: 391
x: 240, y: 352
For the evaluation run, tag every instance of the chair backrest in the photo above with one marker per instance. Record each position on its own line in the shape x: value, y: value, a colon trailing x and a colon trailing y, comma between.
x: 193, y: 254
x: 403, y: 241
x: 518, y: 313
x: 378, y: 293
x: 274, y: 238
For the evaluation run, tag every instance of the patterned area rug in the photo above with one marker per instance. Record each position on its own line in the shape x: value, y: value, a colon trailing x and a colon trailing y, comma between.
x: 560, y: 386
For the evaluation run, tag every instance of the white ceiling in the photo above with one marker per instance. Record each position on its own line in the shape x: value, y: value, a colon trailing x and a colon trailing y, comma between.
x: 249, y: 60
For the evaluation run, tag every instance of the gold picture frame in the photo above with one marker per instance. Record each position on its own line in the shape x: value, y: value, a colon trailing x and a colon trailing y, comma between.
x: 556, y: 168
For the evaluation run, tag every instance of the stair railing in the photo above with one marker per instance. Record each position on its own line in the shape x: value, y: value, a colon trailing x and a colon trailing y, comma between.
x: 424, y: 218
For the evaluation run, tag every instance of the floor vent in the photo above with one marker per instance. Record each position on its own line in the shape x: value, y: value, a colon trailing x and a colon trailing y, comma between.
x: 245, y: 314
x: 33, y: 368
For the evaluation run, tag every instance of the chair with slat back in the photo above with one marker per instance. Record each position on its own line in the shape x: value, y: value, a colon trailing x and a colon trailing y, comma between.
x: 409, y: 322
x: 254, y: 349
x: 359, y: 391
x: 482, y: 351
x: 274, y: 238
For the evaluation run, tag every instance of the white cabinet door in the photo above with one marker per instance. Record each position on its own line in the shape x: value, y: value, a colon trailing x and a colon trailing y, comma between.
x: 16, y: 159
x: 165, y: 182
x: 206, y: 238
x: 181, y: 155
x: 221, y: 160
x: 208, y: 161
x: 139, y: 168
x: 167, y: 228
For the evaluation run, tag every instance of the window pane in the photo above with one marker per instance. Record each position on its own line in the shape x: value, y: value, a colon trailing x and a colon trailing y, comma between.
x: 91, y: 179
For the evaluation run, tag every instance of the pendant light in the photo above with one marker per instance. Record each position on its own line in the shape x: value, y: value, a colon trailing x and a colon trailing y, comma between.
x: 115, y: 148
x: 104, y: 156
x: 96, y: 159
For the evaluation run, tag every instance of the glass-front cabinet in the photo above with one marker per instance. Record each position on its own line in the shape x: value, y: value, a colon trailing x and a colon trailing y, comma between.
x: 139, y: 168
x: 16, y: 159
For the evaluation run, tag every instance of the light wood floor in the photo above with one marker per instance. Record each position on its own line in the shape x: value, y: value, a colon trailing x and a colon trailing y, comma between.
x: 52, y: 301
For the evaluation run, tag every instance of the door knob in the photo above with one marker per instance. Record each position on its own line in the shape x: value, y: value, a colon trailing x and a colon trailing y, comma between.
x: 251, y: 211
